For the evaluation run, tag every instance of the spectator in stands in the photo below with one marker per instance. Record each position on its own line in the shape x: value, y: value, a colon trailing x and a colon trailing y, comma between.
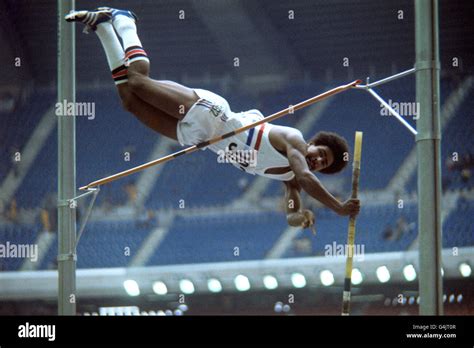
x: 132, y: 192
x: 44, y: 216
x: 49, y: 205
x: 12, y: 213
x: 402, y: 227
x: 146, y: 219
x: 192, y: 116
x: 388, y: 233
x: 463, y: 166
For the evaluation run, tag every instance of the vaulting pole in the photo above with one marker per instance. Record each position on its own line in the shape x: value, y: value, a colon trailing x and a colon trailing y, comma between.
x: 346, y: 295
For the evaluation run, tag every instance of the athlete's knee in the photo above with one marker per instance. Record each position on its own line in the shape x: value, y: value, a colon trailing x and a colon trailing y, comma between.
x: 127, y: 98
x: 139, y: 67
x: 135, y: 81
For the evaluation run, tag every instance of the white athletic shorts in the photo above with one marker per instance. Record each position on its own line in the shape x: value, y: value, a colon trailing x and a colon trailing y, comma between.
x: 205, y: 120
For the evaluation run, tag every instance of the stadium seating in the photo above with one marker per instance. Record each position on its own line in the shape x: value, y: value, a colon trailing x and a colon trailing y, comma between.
x: 235, y: 237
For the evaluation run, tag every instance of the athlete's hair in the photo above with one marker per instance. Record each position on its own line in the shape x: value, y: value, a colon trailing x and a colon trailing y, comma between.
x: 338, y: 146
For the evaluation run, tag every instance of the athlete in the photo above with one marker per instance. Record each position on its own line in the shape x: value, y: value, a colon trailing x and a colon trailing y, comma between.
x: 191, y: 116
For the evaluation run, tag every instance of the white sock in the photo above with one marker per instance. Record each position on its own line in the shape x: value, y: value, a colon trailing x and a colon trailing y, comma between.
x: 111, y: 44
x: 127, y: 30
x: 114, y: 52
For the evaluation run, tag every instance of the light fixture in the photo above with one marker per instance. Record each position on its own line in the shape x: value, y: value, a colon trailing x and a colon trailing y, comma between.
x: 270, y: 282
x: 383, y: 274
x: 298, y: 280
x: 409, y: 272
x: 356, y: 277
x: 465, y: 269
x: 183, y: 307
x: 131, y: 287
x: 214, y: 285
x: 160, y: 288
x: 242, y: 283
x: 186, y: 286
x: 327, y: 278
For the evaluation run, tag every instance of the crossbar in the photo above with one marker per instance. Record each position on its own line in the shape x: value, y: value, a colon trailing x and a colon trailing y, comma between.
x: 194, y: 148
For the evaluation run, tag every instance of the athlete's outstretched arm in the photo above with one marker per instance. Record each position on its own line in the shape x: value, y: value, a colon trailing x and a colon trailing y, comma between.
x: 295, y: 214
x: 296, y: 151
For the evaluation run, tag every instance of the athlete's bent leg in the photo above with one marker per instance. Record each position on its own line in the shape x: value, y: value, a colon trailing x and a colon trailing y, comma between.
x: 149, y: 115
x: 172, y: 98
x: 152, y: 117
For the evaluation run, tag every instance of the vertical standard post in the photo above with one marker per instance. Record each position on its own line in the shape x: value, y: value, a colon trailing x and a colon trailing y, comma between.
x: 66, y: 164
x: 429, y: 161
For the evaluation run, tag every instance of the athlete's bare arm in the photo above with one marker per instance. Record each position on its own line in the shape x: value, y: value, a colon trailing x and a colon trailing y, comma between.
x: 296, y: 152
x: 295, y: 214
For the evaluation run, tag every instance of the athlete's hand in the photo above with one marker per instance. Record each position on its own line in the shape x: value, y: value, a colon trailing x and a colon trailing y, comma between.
x: 350, y: 207
x: 308, y: 220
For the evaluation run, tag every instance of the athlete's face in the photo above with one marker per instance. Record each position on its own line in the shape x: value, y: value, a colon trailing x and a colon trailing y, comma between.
x: 319, y: 157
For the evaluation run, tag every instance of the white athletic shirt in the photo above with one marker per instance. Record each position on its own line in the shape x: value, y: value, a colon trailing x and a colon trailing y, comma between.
x: 250, y: 151
x: 259, y: 154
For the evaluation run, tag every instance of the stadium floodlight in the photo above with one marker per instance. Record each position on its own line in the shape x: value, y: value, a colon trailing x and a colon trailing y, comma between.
x: 465, y: 269
x: 383, y: 274
x: 186, y: 286
x: 131, y: 287
x: 160, y: 288
x: 327, y: 278
x: 242, y: 283
x: 298, y: 280
x: 183, y: 307
x: 356, y: 277
x: 214, y: 285
x: 270, y: 282
x: 409, y: 272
